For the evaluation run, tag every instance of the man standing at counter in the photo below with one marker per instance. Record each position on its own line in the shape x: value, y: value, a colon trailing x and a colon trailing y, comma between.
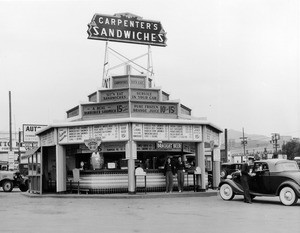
x: 180, y: 167
x: 169, y: 171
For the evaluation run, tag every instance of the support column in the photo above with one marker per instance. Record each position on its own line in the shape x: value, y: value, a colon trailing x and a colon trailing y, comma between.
x: 61, y: 173
x: 131, y: 155
x: 216, y: 167
x: 200, y: 162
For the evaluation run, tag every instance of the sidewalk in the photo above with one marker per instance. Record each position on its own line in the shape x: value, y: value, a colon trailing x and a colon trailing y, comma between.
x: 138, y: 195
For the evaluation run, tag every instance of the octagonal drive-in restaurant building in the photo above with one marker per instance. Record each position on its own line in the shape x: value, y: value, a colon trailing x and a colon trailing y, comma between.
x: 119, y: 129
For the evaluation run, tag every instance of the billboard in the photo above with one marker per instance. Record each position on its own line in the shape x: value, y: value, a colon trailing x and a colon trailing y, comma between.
x: 126, y: 27
x: 29, y: 131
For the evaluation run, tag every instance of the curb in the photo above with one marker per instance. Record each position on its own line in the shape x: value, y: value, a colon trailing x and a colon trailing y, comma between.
x: 125, y: 195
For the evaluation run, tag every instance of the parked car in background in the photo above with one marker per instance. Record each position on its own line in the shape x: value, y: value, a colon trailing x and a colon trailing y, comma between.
x: 229, y: 168
x: 11, y: 179
x: 297, y: 159
x: 274, y: 177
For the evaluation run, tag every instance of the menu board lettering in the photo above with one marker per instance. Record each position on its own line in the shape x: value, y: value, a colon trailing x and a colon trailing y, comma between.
x: 109, y: 132
x: 212, y: 136
x: 146, y: 95
x: 137, y: 82
x: 114, y: 95
x: 102, y: 109
x: 160, y: 132
x: 157, y: 108
x: 119, y: 82
x: 47, y: 139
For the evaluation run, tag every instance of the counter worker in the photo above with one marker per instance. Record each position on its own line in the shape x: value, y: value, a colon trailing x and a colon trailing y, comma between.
x: 246, y: 175
x: 169, y: 171
x: 180, y: 167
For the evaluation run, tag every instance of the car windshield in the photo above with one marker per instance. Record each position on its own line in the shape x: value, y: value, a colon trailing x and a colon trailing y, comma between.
x: 287, y: 167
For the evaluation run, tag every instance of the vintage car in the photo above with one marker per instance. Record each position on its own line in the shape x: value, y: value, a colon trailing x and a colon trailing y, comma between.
x: 11, y: 179
x: 273, y: 177
x: 229, y: 168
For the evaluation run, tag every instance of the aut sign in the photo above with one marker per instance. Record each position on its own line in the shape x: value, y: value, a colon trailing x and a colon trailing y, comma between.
x: 29, y: 131
x: 126, y: 27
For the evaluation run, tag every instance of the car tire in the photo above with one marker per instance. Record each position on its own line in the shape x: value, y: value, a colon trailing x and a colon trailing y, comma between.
x: 23, y: 187
x: 226, y: 192
x: 7, y: 186
x: 288, y: 196
x: 223, y: 174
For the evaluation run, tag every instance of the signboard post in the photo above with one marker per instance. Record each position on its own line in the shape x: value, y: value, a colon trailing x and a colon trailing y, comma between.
x: 11, y: 160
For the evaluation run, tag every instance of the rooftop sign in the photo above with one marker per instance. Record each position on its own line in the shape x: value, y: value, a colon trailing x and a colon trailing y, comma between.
x: 126, y: 27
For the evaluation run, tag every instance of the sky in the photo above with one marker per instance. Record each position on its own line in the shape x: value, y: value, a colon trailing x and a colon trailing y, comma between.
x: 235, y: 62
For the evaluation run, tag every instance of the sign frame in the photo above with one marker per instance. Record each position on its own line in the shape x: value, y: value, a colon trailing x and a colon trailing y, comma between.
x: 126, y: 28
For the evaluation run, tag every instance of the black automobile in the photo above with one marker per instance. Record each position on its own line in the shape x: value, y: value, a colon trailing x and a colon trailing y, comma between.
x: 11, y: 179
x: 229, y: 168
x: 274, y: 177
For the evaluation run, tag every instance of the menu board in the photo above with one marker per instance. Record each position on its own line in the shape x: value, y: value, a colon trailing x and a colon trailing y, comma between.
x: 47, y: 139
x: 154, y: 108
x: 119, y: 82
x: 160, y: 132
x: 181, y: 132
x: 155, y: 131
x: 109, y: 132
x: 212, y: 136
x: 136, y: 81
x: 104, y: 109
x: 113, y: 95
x: 73, y: 112
x: 78, y: 134
x: 145, y: 95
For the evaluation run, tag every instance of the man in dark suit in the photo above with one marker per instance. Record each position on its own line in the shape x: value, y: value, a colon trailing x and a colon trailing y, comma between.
x: 246, y: 175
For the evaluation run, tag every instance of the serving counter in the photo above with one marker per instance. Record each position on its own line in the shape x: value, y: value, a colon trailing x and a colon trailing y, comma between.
x: 116, y: 181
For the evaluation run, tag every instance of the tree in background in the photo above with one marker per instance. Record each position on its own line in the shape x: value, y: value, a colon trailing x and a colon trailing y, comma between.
x: 291, y: 149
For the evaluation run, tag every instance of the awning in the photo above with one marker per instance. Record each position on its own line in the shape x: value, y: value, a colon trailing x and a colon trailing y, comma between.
x: 30, y: 152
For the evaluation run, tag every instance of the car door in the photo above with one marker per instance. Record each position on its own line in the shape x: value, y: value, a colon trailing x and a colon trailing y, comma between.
x: 261, y: 181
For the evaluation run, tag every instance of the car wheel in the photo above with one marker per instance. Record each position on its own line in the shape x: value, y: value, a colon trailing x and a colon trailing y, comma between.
x: 23, y: 187
x: 226, y: 192
x: 7, y: 186
x: 223, y: 174
x: 288, y: 196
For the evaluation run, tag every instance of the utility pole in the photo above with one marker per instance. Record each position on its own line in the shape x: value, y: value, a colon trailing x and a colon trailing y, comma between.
x: 10, y: 154
x: 274, y: 141
x: 19, y: 147
x: 10, y: 132
x: 244, y: 143
x: 226, y: 146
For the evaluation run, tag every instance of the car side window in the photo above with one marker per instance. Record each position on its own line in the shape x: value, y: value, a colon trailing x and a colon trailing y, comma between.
x: 265, y: 167
x: 261, y: 167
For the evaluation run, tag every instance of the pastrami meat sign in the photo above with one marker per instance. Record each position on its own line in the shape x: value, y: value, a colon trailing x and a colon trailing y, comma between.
x: 127, y: 28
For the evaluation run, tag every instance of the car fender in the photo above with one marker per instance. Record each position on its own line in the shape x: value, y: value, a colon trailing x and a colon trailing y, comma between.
x: 235, y: 187
x: 7, y: 179
x: 291, y: 184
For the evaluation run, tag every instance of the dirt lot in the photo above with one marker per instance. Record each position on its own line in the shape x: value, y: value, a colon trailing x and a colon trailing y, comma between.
x: 20, y: 213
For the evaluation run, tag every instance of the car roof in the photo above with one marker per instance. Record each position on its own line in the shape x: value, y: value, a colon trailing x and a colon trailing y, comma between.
x: 230, y: 163
x: 273, y: 162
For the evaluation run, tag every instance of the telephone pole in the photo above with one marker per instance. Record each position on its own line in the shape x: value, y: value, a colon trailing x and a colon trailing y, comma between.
x: 10, y: 131
x: 244, y: 143
x: 274, y: 141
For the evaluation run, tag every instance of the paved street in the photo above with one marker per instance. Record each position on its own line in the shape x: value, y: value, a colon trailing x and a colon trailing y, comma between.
x: 20, y: 213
